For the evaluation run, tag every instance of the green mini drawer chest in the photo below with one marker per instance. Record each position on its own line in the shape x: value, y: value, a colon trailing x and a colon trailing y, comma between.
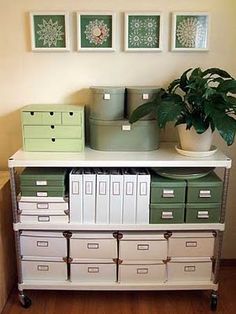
x: 205, y: 190
x: 53, y: 128
x: 203, y: 213
x: 164, y: 190
x: 167, y: 213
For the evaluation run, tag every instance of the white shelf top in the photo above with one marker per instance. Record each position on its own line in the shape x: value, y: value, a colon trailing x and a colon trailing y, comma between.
x: 166, y: 156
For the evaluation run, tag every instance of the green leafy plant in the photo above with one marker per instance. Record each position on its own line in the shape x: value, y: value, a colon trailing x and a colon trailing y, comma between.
x: 201, y: 99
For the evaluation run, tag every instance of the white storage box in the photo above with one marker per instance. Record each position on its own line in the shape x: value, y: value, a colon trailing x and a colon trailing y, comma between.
x: 188, y: 244
x: 93, y: 245
x: 39, y: 243
x: 42, y: 199
x: 44, y: 217
x: 44, y: 269
x: 141, y: 246
x: 93, y: 271
x: 142, y: 272
x: 189, y: 269
x: 42, y: 206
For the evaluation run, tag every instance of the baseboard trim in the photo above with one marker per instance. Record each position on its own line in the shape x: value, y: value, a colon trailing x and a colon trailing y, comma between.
x: 228, y: 262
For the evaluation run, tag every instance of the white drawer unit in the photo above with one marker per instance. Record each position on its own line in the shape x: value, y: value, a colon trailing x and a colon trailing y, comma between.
x: 44, y: 217
x: 142, y: 272
x: 189, y: 269
x: 39, y: 243
x: 143, y: 246
x: 44, y: 269
x: 198, y: 244
x: 85, y: 245
x: 38, y: 206
x: 93, y: 271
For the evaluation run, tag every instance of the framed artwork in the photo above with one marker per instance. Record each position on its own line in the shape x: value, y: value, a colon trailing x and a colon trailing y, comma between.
x: 143, y: 31
x: 190, y: 31
x: 49, y: 31
x: 96, y: 31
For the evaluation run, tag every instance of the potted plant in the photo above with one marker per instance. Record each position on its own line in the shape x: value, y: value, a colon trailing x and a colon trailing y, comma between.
x: 199, y: 102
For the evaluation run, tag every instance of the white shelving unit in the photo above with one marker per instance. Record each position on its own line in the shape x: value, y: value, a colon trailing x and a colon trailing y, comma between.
x: 166, y: 156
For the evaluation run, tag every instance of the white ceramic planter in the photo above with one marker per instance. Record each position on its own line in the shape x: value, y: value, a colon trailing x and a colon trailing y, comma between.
x: 190, y: 140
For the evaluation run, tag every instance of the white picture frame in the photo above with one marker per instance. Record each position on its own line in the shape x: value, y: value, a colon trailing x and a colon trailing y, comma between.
x: 96, y: 31
x: 40, y: 22
x: 190, y: 31
x: 135, y: 38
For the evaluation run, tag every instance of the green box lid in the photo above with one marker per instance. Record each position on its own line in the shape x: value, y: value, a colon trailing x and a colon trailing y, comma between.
x: 208, y: 181
x: 53, y: 107
x: 56, y: 174
x: 143, y: 89
x: 108, y: 89
x: 158, y: 181
x: 202, y: 205
x: 167, y: 206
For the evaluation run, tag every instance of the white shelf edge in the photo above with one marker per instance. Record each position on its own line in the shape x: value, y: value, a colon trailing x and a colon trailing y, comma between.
x: 67, y: 285
x: 94, y: 227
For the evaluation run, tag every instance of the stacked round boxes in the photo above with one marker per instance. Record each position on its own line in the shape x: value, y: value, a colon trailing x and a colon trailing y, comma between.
x: 110, y: 129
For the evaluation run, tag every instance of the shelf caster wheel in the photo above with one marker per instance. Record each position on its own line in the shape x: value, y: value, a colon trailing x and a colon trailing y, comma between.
x: 25, y: 301
x: 214, y: 300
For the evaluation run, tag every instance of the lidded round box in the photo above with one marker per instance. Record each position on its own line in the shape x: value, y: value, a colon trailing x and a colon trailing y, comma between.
x: 108, y: 102
x: 138, y: 95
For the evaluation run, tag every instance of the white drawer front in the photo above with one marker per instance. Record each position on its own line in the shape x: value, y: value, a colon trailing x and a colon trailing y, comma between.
x: 93, y: 248
x: 143, y: 250
x: 42, y: 218
x: 93, y: 272
x: 188, y: 271
x: 43, y: 270
x: 42, y: 206
x: 191, y: 247
x: 142, y: 273
x: 43, y: 246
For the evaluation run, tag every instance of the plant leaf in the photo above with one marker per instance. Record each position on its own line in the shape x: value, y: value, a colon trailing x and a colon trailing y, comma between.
x: 228, y: 86
x: 169, y: 110
x: 142, y: 111
x: 173, y: 85
x: 217, y: 71
x: 226, y: 126
x: 184, y: 80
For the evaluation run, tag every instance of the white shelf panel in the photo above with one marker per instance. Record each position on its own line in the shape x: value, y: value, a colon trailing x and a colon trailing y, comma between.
x: 166, y: 156
x: 94, y: 227
x: 67, y: 285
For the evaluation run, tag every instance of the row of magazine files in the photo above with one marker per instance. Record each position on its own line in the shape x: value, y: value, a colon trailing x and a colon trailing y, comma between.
x: 109, y: 196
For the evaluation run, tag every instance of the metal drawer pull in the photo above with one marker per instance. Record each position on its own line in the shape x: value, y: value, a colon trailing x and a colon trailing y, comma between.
x: 93, y: 270
x: 168, y: 193
x: 167, y: 215
x: 143, y: 247
x: 205, y: 193
x: 142, y: 271
x: 203, y: 214
x: 191, y: 244
x: 107, y: 96
x: 42, y: 243
x: 93, y: 246
x: 42, y: 205
x: 41, y: 183
x: 42, y: 194
x: 43, y: 268
x: 189, y: 268
x: 43, y: 218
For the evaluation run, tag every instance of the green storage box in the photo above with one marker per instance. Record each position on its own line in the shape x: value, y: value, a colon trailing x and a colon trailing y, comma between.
x: 108, y: 103
x: 205, y: 190
x: 164, y: 190
x: 49, y: 128
x: 167, y: 213
x: 122, y: 136
x: 138, y: 95
x: 203, y: 213
x: 43, y: 177
x: 43, y: 191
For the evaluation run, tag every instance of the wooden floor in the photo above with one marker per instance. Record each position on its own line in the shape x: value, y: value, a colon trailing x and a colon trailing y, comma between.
x: 173, y: 302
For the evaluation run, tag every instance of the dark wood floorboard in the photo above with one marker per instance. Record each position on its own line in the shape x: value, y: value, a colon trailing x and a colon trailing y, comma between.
x: 160, y: 302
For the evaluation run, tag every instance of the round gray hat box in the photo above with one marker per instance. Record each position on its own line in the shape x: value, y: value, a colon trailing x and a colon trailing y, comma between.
x: 108, y: 102
x: 138, y: 95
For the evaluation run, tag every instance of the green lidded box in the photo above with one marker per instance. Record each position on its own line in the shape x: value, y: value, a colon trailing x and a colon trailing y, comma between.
x: 45, y: 191
x: 49, y: 128
x: 167, y: 213
x: 108, y: 102
x: 138, y: 95
x: 122, y: 136
x: 203, y: 213
x: 205, y: 190
x: 164, y: 190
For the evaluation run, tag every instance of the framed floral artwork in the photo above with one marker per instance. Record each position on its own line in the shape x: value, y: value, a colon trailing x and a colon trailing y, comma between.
x: 49, y: 31
x: 143, y: 31
x: 96, y: 31
x: 190, y: 31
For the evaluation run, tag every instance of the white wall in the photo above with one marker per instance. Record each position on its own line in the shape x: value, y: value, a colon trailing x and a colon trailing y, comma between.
x: 27, y: 77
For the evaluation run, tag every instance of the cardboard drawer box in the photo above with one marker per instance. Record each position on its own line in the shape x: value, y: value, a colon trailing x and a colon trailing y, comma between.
x: 187, y: 269
x: 205, y: 190
x: 44, y: 217
x: 52, y: 269
x: 141, y: 246
x: 203, y: 213
x: 85, y: 245
x: 53, y: 145
x: 34, y: 176
x: 164, y: 190
x: 93, y: 270
x: 38, y: 207
x: 142, y: 272
x: 191, y: 244
x: 167, y: 213
x: 73, y: 117
x: 39, y: 243
x: 52, y: 131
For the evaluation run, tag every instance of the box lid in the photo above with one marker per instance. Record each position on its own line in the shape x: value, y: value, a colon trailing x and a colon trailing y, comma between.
x: 142, y: 263
x: 42, y: 234
x: 167, y: 206
x: 202, y: 205
x: 138, y: 236
x: 28, y: 212
x: 55, y: 174
x: 158, y: 181
x: 121, y: 123
x: 143, y: 89
x: 210, y: 180
x: 52, y: 107
x: 187, y: 235
x: 92, y: 235
x: 107, y: 89
x: 92, y: 261
x: 42, y: 259
x: 190, y: 259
